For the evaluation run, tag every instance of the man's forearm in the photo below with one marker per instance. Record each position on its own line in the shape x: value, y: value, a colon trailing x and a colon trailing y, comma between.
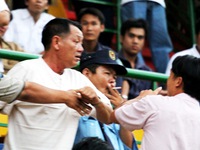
x: 103, y: 112
x: 36, y: 93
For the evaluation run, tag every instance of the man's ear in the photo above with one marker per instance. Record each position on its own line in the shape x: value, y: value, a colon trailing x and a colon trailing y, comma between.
x: 121, y: 39
x: 55, y: 42
x: 86, y: 72
x: 179, y: 82
x: 102, y: 27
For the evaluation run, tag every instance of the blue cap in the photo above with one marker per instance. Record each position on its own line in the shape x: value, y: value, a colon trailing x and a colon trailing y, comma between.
x: 103, y: 57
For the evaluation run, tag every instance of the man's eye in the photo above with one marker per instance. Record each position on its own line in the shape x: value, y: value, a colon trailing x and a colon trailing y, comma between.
x: 140, y: 37
x: 84, y: 23
x: 94, y: 23
x: 108, y: 73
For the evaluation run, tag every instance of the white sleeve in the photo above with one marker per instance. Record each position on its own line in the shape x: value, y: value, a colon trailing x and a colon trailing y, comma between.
x: 10, y: 88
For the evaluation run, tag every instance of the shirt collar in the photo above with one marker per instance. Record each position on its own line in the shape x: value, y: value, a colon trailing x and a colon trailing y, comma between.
x: 126, y: 62
x: 26, y: 14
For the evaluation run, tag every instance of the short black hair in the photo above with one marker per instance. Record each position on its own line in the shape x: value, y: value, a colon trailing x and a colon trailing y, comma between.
x: 92, y: 143
x: 188, y: 67
x: 92, y: 68
x: 57, y: 26
x: 92, y: 11
x: 133, y: 23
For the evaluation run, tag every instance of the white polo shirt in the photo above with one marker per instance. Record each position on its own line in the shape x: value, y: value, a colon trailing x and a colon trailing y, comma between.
x: 27, y: 33
x: 44, y: 126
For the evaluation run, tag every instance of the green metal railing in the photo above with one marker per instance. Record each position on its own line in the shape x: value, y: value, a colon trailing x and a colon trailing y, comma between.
x: 15, y: 55
x: 3, y: 125
x: 134, y: 73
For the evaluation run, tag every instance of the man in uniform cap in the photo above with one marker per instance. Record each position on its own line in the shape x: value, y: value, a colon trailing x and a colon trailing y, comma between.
x: 101, y: 68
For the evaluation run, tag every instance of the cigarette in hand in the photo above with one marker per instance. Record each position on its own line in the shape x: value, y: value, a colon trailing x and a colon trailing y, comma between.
x: 116, y: 88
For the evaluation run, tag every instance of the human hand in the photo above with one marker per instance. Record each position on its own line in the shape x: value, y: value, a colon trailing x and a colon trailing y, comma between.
x: 163, y: 92
x: 88, y: 95
x: 115, y: 97
x: 143, y: 94
x: 74, y: 102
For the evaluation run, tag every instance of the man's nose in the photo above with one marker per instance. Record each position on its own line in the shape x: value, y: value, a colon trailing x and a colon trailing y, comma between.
x: 80, y: 47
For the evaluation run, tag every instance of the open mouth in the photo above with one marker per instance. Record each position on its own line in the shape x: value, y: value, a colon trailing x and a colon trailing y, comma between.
x: 78, y: 58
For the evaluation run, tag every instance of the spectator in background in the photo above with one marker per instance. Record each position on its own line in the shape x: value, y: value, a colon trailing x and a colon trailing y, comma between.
x: 92, y: 21
x: 20, y: 4
x: 3, y: 10
x: 133, y: 35
x: 169, y: 122
x: 108, y: 12
x: 53, y: 126
x: 102, y: 68
x: 5, y: 18
x: 194, y: 51
x: 26, y: 26
x: 153, y: 11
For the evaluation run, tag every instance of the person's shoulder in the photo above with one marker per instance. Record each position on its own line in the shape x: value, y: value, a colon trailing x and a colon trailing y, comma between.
x: 157, y: 100
x: 71, y: 70
x: 30, y: 62
x: 19, y: 12
x: 106, y: 47
x: 26, y: 65
x: 142, y: 66
x: 183, y: 52
x: 46, y: 16
x: 74, y: 73
x: 102, y: 47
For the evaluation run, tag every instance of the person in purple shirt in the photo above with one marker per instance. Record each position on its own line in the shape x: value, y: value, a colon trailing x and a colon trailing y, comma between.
x: 169, y: 122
